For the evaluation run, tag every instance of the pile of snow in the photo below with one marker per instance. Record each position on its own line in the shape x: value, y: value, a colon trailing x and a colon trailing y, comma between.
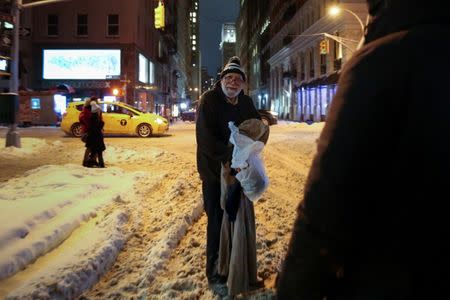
x: 47, y: 207
x: 29, y: 147
x: 115, y: 155
x: 302, y: 125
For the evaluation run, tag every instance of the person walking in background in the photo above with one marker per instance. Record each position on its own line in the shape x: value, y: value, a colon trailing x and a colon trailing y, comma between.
x: 224, y: 103
x: 95, y: 141
x: 374, y: 220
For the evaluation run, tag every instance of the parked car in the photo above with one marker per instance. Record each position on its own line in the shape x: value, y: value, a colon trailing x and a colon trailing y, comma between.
x: 119, y: 118
x: 268, y: 117
x: 188, y: 116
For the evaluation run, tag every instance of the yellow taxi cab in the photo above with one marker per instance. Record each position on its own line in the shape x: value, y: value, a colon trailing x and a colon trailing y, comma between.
x: 119, y: 118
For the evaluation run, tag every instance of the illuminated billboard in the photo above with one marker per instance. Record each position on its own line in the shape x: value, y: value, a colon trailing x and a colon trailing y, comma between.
x: 143, y: 68
x: 81, y: 64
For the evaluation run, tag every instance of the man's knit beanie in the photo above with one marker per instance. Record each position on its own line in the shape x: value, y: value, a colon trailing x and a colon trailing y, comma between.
x: 233, y: 66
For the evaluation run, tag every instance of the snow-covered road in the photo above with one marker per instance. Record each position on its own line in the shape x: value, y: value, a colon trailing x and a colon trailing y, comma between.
x: 135, y: 229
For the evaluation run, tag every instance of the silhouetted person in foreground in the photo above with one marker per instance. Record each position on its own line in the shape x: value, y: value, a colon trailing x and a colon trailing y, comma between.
x: 374, y: 220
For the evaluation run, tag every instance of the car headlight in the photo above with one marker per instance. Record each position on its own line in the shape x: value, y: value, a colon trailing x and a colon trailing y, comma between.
x: 159, y: 121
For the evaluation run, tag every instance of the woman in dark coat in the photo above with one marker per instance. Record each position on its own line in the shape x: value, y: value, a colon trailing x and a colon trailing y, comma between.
x: 374, y: 220
x: 85, y: 121
x: 95, y: 142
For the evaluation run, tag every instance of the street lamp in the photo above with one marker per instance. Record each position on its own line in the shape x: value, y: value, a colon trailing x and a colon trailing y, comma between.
x: 336, y: 10
x: 13, y: 137
x: 346, y: 42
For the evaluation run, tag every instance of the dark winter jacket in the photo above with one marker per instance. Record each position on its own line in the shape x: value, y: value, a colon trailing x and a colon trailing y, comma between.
x: 374, y: 221
x: 212, y: 132
x: 95, y: 141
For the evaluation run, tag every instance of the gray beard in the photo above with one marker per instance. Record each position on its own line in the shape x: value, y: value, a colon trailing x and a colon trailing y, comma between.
x: 229, y: 94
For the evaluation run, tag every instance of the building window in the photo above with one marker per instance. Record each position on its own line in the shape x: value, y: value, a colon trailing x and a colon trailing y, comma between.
x: 337, y: 54
x: 113, y: 25
x: 52, y: 25
x: 311, y: 64
x: 151, y: 72
x: 82, y: 25
x: 323, y: 64
x: 302, y: 67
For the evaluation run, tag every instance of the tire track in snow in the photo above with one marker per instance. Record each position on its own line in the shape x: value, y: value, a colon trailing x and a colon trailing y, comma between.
x: 162, y: 216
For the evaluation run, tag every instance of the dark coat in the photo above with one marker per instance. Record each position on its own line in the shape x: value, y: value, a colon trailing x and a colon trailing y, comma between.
x: 374, y: 221
x: 212, y: 132
x: 95, y: 141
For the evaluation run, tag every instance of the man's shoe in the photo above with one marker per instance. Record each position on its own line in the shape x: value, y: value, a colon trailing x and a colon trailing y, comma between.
x: 220, y: 289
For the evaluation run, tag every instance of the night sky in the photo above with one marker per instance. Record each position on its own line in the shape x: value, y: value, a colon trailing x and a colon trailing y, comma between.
x: 213, y: 13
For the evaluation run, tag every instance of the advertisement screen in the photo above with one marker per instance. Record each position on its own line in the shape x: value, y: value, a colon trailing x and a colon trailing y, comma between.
x: 3, y: 65
x: 143, y: 68
x: 81, y: 64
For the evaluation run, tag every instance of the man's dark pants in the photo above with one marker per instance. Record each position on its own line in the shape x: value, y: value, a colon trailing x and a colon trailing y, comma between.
x: 211, y: 202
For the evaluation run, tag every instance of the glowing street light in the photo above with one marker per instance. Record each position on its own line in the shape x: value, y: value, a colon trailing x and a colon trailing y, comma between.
x: 336, y: 10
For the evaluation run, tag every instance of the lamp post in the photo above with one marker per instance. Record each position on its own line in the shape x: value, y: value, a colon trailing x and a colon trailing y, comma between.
x: 13, y: 137
x: 335, y: 10
x: 339, y: 39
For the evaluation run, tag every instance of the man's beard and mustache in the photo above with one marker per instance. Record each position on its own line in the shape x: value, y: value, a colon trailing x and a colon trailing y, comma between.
x: 230, y: 93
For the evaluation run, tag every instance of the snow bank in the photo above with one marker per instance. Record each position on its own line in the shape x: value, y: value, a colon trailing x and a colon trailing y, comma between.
x: 115, y: 155
x: 29, y: 147
x: 48, y: 205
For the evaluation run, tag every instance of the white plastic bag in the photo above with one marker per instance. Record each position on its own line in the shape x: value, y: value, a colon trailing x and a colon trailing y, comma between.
x: 247, y: 157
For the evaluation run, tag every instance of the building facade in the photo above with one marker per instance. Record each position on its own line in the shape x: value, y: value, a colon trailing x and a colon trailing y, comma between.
x: 110, y: 49
x: 307, y: 48
x: 227, y: 42
x: 6, y: 39
x: 253, y: 35
x: 195, y: 75
x: 207, y: 80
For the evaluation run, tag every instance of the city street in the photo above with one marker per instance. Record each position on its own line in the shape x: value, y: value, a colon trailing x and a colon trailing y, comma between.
x: 160, y: 240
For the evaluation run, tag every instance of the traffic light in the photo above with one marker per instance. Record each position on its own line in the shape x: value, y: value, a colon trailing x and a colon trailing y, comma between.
x: 324, y: 48
x: 159, y: 16
x: 6, y: 30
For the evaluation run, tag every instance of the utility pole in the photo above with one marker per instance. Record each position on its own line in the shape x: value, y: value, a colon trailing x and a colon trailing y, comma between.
x: 125, y: 82
x: 13, y: 137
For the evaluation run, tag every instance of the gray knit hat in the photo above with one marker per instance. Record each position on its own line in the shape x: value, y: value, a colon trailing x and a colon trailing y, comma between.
x: 233, y: 66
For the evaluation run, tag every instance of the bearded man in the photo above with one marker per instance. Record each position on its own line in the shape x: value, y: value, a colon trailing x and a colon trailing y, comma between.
x: 225, y: 102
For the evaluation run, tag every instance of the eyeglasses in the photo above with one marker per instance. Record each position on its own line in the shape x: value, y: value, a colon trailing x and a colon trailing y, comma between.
x: 230, y: 78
